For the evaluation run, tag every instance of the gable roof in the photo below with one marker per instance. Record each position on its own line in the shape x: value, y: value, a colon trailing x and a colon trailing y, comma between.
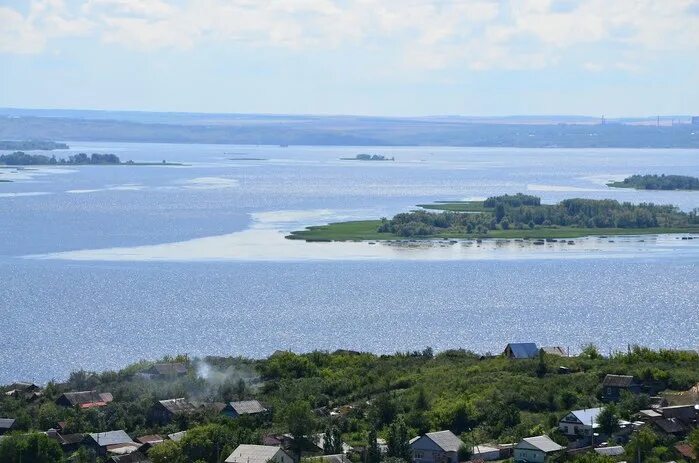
x: 6, y: 423
x: 617, y: 381
x: 587, y: 415
x: 133, y: 457
x: 670, y: 425
x: 543, y: 443
x: 446, y: 440
x: 555, y: 350
x: 523, y: 350
x: 247, y: 407
x: 179, y: 405
x: 247, y: 453
x: 87, y: 399
x: 111, y: 438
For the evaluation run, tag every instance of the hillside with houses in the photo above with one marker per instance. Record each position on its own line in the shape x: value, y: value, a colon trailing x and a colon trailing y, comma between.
x: 530, y: 403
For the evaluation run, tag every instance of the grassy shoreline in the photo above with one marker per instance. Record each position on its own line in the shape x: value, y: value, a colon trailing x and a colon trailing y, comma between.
x: 367, y: 230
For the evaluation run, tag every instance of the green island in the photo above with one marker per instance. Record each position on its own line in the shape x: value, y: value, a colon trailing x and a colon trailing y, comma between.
x: 658, y: 182
x: 182, y: 409
x: 20, y: 158
x: 29, y: 145
x: 369, y: 157
x: 516, y: 216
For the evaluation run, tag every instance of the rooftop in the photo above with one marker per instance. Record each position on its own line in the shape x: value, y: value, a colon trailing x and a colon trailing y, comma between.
x: 543, y: 443
x: 247, y: 453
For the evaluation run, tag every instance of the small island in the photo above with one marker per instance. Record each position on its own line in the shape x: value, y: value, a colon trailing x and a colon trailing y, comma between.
x: 658, y: 182
x: 369, y: 157
x: 516, y: 216
x: 30, y: 145
x: 20, y: 158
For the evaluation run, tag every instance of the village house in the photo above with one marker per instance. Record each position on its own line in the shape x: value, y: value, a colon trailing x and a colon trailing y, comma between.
x: 149, y: 441
x: 26, y: 391
x: 555, y: 350
x: 243, y: 407
x: 165, y: 411
x: 84, y: 399
x: 246, y: 453
x: 110, y: 441
x: 436, y: 447
x: 580, y: 423
x: 612, y: 451
x: 177, y: 436
x: 536, y: 449
x: 68, y: 442
x: 686, y: 451
x: 613, y: 385
x: 521, y: 350
x: 6, y: 425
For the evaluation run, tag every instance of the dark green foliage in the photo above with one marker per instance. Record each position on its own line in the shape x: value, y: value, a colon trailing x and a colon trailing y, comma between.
x: 658, y: 182
x: 373, y: 454
x: 397, y: 441
x: 30, y: 448
x: 608, y: 420
x: 332, y: 444
x: 20, y: 158
x: 524, y: 209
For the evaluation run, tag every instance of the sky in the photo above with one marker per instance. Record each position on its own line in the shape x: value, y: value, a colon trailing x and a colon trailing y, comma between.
x: 366, y: 57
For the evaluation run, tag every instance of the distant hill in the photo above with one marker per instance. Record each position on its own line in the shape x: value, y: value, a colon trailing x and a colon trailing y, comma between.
x: 508, y: 131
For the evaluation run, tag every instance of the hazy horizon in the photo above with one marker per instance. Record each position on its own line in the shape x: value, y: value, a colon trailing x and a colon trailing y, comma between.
x: 365, y: 57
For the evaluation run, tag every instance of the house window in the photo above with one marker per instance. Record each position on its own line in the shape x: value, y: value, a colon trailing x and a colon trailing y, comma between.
x: 418, y: 454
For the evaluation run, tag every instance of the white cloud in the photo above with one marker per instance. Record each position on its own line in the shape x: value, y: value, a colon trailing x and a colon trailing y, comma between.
x: 426, y: 34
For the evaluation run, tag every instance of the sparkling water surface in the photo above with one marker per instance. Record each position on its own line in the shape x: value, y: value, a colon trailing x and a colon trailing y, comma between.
x: 58, y: 313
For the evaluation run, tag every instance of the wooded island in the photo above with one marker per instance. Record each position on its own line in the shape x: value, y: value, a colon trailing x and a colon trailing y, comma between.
x: 514, y: 216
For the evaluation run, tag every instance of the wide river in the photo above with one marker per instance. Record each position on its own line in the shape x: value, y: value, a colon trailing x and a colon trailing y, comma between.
x: 102, y: 266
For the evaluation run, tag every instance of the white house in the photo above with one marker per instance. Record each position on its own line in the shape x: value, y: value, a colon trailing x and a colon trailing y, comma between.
x: 535, y: 449
x: 246, y: 453
x: 436, y: 447
x: 580, y: 422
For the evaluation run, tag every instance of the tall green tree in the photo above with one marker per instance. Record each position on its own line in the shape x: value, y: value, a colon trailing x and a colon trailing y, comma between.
x: 373, y: 453
x: 608, y: 420
x: 398, y: 441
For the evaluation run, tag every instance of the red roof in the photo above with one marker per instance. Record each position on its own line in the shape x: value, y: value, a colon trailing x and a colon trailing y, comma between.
x: 686, y: 450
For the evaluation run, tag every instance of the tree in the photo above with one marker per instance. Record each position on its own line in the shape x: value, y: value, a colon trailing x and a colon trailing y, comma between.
x: 608, y: 420
x: 499, y: 212
x: 422, y: 404
x: 541, y: 368
x: 208, y: 442
x: 373, y: 453
x: 693, y: 440
x: 332, y: 444
x: 26, y: 448
x: 397, y: 441
x: 166, y: 452
x: 641, y: 445
x: 300, y: 422
x: 590, y: 351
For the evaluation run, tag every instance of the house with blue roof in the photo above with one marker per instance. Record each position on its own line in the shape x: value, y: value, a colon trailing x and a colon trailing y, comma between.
x: 521, y: 350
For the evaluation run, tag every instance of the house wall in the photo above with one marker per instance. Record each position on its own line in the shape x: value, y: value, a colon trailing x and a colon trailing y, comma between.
x: 434, y: 456
x: 283, y: 457
x: 574, y: 429
x: 536, y: 456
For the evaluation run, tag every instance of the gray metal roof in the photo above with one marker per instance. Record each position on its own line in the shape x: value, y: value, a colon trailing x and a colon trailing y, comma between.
x: 246, y: 453
x: 543, y: 443
x: 523, y: 350
x: 587, y: 416
x: 446, y: 440
x: 613, y: 451
x: 247, y: 407
x: 6, y: 423
x: 111, y: 437
x: 617, y: 381
x: 180, y: 405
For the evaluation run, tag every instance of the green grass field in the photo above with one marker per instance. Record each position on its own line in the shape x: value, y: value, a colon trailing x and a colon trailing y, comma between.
x: 365, y: 230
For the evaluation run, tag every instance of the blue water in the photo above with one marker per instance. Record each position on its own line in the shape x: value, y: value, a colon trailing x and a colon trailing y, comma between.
x: 59, y: 315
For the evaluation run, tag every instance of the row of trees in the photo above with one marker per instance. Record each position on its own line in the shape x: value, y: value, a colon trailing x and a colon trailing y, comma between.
x: 659, y: 182
x: 524, y: 211
x: 20, y: 158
